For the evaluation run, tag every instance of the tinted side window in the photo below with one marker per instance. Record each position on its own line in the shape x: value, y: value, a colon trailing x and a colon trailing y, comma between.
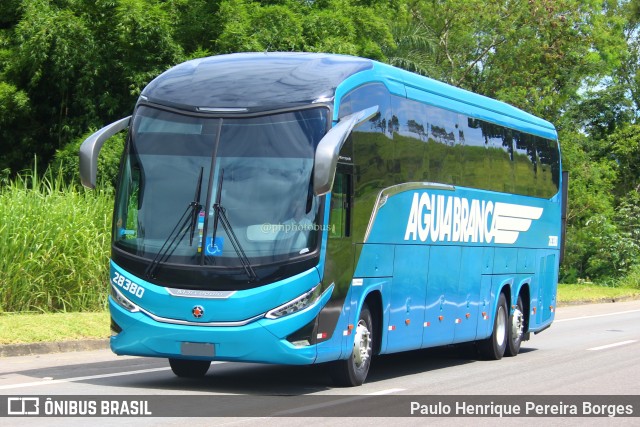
x: 525, y: 164
x: 446, y: 158
x: 437, y: 145
x: 376, y: 166
x: 549, y: 166
x: 500, y: 151
x: 476, y: 158
x: 410, y: 134
x: 340, y: 214
x: 427, y: 141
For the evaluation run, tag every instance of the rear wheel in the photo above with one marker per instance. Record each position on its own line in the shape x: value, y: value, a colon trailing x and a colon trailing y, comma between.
x: 493, y: 348
x: 189, y: 368
x: 353, y: 371
x: 515, y: 330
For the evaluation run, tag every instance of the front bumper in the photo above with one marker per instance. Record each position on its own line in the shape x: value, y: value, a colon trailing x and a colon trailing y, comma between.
x: 262, y: 341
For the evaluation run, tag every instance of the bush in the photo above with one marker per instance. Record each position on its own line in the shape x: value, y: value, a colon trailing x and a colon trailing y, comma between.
x: 632, y: 279
x: 54, y: 245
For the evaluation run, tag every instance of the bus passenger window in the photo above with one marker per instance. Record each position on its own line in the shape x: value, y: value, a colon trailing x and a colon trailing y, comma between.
x: 340, y: 215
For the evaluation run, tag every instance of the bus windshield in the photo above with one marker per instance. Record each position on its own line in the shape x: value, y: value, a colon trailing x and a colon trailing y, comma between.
x: 207, y: 191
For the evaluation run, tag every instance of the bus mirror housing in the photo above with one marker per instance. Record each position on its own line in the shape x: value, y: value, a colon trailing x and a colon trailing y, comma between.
x: 91, y: 147
x: 326, y: 158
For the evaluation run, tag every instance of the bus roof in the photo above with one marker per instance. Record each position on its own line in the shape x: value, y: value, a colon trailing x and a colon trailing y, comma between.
x: 255, y: 81
x: 267, y: 81
x: 434, y: 92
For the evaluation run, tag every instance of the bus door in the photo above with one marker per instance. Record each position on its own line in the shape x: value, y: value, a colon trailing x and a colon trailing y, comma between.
x: 339, y: 262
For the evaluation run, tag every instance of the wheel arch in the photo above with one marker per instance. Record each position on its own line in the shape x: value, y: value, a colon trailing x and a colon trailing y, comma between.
x: 504, y: 287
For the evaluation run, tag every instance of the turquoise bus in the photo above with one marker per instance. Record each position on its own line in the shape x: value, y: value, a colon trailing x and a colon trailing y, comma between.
x: 299, y: 208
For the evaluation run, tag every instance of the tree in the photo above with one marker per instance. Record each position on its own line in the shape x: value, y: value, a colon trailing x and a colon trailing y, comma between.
x: 413, y: 48
x: 51, y: 63
x: 196, y: 25
x: 334, y: 26
x: 14, y: 112
x: 534, y: 54
x: 76, y: 65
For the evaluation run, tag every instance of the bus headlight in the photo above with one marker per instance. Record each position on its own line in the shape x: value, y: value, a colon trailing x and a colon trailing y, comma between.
x: 123, y: 301
x: 295, y: 305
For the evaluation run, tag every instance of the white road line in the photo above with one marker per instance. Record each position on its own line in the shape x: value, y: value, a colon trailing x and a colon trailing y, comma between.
x: 340, y: 400
x: 596, y: 315
x: 603, y: 347
x: 388, y: 391
x: 90, y: 377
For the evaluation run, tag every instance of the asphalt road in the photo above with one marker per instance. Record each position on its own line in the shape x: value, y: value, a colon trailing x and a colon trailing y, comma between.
x: 589, y: 350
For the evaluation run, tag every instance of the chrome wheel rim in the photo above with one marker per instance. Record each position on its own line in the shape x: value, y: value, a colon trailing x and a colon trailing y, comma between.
x: 362, y: 345
x: 517, y: 324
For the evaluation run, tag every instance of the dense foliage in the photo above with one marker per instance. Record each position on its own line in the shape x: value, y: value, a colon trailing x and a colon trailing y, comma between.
x: 54, y: 245
x: 70, y: 66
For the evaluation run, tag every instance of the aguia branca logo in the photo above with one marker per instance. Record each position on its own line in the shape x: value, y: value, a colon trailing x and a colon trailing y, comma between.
x: 437, y: 218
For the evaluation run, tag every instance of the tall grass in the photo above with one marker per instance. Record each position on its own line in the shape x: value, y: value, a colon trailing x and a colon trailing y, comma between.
x: 632, y: 279
x: 54, y: 245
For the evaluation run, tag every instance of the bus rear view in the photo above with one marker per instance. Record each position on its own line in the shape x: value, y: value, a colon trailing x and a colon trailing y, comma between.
x: 235, y: 229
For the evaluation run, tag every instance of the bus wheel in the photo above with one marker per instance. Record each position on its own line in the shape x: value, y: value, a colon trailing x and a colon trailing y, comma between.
x: 515, y: 330
x: 353, y: 371
x: 189, y: 368
x: 493, y: 348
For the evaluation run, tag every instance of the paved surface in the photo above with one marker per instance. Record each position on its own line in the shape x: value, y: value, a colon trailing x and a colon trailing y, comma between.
x: 589, y: 350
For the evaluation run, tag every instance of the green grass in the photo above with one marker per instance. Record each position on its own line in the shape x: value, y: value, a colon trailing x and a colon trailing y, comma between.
x: 54, y: 245
x: 590, y: 293
x: 33, y: 328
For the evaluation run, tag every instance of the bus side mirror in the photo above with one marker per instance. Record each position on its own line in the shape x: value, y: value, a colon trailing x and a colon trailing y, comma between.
x: 91, y: 147
x: 326, y: 158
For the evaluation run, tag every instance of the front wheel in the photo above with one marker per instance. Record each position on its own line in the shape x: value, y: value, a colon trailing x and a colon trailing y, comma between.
x: 353, y: 371
x: 189, y: 368
x: 493, y: 348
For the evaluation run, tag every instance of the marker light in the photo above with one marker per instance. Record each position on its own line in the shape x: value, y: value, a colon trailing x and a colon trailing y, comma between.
x: 295, y: 305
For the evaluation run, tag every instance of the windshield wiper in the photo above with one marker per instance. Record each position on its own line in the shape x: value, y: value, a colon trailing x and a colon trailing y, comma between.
x: 185, y: 223
x: 221, y: 216
x: 196, y: 207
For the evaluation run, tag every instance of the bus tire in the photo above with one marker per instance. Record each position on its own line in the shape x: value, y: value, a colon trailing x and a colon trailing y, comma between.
x: 189, y: 368
x: 515, y: 330
x: 353, y: 371
x: 493, y: 348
